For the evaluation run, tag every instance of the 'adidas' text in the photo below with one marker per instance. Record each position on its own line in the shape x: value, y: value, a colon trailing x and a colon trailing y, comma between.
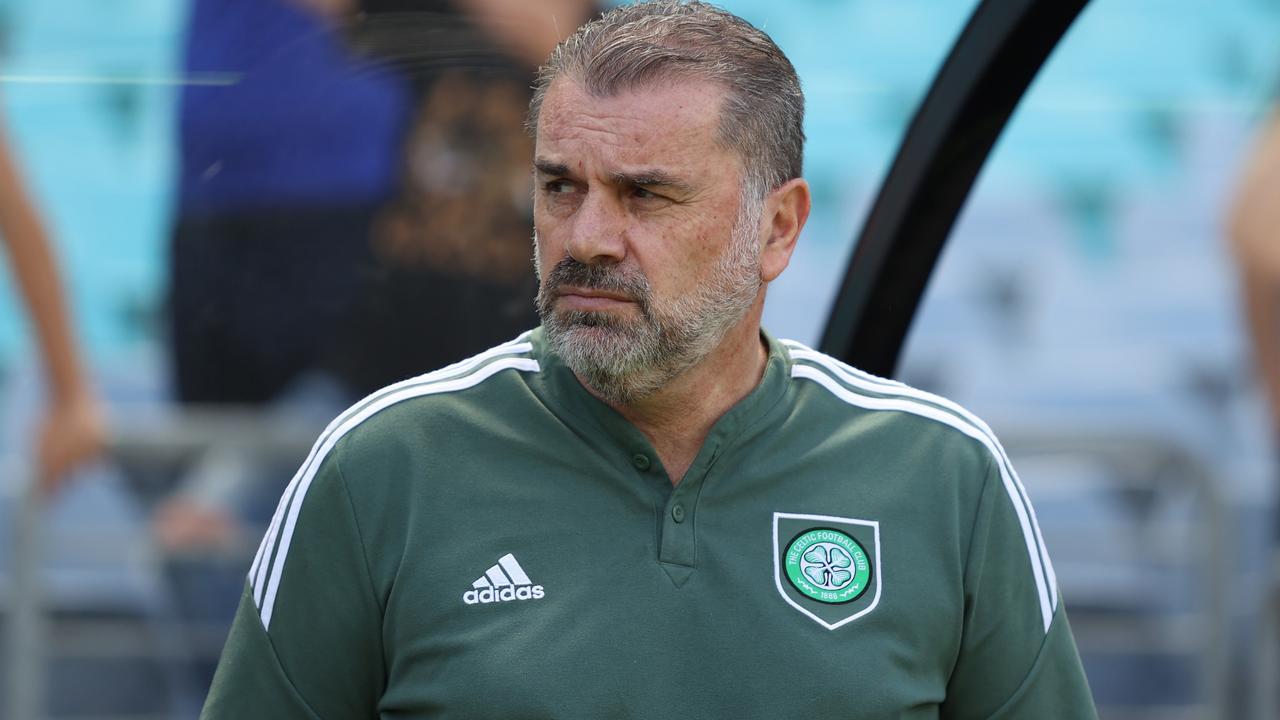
x: 490, y: 595
x: 504, y: 582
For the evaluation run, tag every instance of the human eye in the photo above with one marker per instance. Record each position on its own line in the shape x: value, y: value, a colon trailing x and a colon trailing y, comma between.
x: 557, y: 186
x: 647, y: 196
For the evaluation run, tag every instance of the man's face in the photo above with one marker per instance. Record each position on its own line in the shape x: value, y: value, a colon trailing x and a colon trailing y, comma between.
x: 645, y: 251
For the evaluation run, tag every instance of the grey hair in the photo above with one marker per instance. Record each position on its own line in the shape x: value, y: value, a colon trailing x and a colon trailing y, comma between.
x: 635, y: 45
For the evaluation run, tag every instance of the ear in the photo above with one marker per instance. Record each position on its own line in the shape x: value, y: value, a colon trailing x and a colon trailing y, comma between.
x: 785, y: 211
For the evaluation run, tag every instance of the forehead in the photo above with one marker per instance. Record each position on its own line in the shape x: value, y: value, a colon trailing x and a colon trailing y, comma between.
x: 670, y: 123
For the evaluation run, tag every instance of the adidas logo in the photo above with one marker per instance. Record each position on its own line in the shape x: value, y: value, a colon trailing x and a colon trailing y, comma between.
x: 503, y: 582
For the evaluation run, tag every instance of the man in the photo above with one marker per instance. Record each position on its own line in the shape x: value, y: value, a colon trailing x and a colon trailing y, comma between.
x: 648, y: 508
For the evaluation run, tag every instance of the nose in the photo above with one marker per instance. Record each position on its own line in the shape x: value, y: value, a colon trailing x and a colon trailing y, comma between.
x: 599, y: 234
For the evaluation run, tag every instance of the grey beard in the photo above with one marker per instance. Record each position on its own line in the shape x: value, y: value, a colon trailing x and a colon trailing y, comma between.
x: 628, y: 360
x: 621, y: 365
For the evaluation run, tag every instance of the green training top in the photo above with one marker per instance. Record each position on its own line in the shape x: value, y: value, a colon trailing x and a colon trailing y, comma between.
x: 492, y: 541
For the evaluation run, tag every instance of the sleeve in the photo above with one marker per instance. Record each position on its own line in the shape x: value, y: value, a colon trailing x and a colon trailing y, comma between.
x: 306, y: 640
x: 1017, y: 658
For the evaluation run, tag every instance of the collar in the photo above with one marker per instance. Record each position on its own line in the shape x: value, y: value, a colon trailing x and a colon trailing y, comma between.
x: 600, y: 424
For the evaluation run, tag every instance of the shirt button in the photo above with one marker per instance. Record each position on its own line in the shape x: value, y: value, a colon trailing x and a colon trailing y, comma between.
x: 677, y: 513
x: 641, y: 461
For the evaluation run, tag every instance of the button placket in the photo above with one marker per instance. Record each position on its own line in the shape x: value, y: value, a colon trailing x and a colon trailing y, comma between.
x: 678, y: 542
x: 678, y: 545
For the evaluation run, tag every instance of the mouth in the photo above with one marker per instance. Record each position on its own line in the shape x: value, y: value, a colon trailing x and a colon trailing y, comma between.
x: 591, y: 299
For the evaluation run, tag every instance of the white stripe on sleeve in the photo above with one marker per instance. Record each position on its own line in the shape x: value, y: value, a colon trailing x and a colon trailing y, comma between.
x: 933, y: 413
x: 872, y: 383
x: 307, y: 473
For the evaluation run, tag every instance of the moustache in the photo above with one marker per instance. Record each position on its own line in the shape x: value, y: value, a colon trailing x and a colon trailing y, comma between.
x: 626, y: 281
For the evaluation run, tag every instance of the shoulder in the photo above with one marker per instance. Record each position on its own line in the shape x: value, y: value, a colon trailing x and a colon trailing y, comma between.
x: 408, y: 407
x: 838, y: 393
x: 425, y: 410
x: 490, y: 382
x: 949, y: 440
x: 369, y: 454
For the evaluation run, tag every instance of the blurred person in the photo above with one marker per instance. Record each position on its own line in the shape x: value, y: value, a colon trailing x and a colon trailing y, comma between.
x: 72, y: 429
x: 288, y: 145
x: 649, y: 507
x: 1254, y: 228
x: 351, y: 213
x: 283, y: 164
x: 452, y: 249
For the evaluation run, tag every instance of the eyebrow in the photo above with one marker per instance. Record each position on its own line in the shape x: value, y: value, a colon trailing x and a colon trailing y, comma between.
x: 651, y: 177
x: 546, y: 167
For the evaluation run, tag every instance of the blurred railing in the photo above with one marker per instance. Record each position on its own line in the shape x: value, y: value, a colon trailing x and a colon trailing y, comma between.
x: 1146, y: 567
x: 1267, y: 662
x: 163, y: 439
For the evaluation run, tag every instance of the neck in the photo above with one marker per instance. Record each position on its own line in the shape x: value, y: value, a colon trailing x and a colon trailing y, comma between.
x: 678, y: 417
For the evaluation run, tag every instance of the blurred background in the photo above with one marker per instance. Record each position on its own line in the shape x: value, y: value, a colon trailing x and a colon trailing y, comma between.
x: 259, y: 210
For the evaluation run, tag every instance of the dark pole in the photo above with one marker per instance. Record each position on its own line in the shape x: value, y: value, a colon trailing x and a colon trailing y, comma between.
x: 989, y: 69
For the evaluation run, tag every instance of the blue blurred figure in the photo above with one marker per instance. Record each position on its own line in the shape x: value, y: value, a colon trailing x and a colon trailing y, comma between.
x: 288, y: 144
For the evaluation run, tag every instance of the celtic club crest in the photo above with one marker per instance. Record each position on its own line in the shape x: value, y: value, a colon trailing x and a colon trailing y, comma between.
x: 827, y: 567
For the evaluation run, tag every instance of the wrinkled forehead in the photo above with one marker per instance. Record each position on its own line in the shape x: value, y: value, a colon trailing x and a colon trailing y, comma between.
x: 678, y: 114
